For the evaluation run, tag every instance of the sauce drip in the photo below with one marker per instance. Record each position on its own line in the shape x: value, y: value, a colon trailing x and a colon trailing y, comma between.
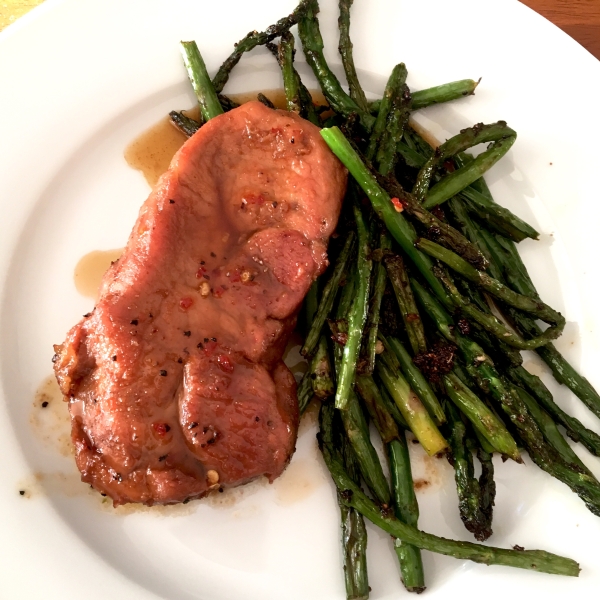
x: 91, y: 268
x: 299, y: 481
x: 152, y: 151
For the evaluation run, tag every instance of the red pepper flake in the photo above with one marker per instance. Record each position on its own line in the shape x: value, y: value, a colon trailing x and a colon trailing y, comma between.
x: 161, y: 429
x: 218, y: 292
x: 410, y: 317
x: 185, y: 303
x: 209, y: 347
x: 201, y: 271
x: 225, y: 363
x: 253, y: 199
x: 235, y: 276
x: 397, y: 205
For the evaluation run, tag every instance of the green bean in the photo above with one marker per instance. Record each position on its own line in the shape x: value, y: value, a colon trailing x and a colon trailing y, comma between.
x: 467, y: 487
x: 257, y: 38
x: 398, y: 277
x: 481, y: 417
x: 357, y: 430
x: 328, y: 296
x: 393, y: 87
x: 415, y: 378
x: 436, y: 228
x: 305, y: 392
x: 444, y: 93
x: 396, y: 124
x: 575, y: 429
x: 358, y: 314
x: 186, y: 125
x: 352, y: 495
x: 527, y: 304
x: 483, y: 371
x: 412, y: 409
x: 406, y: 509
x: 493, y: 325
x: 402, y: 231
x: 437, y: 94
x: 372, y: 325
x: 502, y: 138
x: 550, y: 431
x: 345, y: 49
x: 312, y: 43
x: 205, y: 92
x: 378, y: 411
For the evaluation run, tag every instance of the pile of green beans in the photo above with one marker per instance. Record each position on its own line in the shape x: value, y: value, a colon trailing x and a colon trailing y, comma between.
x: 418, y: 324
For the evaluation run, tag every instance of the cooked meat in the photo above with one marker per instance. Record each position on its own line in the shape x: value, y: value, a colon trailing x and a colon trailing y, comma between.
x: 175, y: 381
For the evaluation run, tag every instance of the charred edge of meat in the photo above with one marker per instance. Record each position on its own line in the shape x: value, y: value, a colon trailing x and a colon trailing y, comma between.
x: 436, y: 362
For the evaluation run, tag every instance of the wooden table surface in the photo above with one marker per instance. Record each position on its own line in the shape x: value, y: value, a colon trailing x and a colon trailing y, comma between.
x: 579, y: 18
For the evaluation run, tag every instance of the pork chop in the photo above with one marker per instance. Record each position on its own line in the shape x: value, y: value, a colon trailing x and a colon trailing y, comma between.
x: 175, y: 381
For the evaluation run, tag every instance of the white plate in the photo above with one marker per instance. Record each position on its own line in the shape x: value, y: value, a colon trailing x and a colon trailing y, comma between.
x: 78, y: 81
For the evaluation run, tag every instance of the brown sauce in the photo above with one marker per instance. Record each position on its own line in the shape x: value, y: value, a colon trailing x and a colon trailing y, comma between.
x: 91, y: 268
x: 152, y: 151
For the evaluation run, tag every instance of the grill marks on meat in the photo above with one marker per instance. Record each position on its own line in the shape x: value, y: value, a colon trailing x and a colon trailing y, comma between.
x: 175, y: 380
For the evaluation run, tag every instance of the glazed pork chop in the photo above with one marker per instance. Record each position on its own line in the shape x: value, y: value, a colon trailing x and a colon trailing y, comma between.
x: 175, y: 381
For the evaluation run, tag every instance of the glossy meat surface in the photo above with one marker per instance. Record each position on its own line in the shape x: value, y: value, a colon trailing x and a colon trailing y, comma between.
x: 175, y: 380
